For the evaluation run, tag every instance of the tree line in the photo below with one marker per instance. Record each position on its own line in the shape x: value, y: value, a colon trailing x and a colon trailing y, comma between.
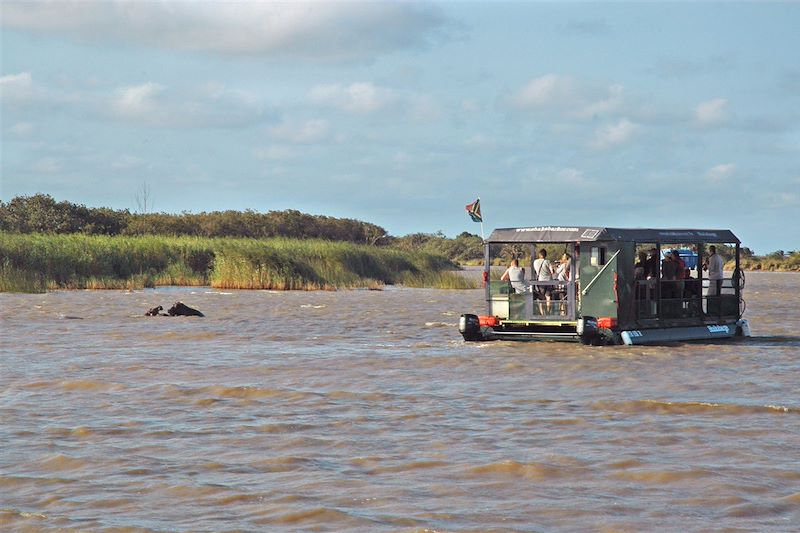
x: 41, y: 213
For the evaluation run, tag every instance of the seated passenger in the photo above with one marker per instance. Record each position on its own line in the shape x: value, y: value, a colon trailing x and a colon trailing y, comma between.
x: 516, y: 276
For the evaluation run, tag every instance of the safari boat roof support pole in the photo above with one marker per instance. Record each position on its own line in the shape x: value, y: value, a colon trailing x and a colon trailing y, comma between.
x: 737, y: 283
x: 487, y: 276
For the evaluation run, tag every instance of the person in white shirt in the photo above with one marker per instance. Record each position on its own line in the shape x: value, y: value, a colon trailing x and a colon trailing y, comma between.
x: 562, y: 271
x: 714, y: 265
x: 543, y: 271
x: 563, y: 274
x: 516, y: 276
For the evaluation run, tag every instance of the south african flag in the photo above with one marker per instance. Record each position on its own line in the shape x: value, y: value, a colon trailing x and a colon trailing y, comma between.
x: 474, y: 210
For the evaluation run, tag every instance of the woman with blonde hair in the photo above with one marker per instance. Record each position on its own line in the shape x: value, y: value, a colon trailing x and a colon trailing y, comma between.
x: 564, y: 275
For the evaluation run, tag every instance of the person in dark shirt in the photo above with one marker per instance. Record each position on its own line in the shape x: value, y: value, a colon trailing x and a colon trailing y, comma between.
x: 651, y: 266
x: 680, y: 273
x: 669, y: 273
x: 640, y: 267
x: 640, y: 274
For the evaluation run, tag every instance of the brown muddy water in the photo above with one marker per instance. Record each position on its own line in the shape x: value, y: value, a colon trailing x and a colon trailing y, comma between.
x: 365, y: 411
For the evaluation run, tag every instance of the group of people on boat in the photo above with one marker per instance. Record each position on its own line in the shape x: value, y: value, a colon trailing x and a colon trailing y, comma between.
x: 543, y: 271
x: 549, y: 281
x: 677, y: 280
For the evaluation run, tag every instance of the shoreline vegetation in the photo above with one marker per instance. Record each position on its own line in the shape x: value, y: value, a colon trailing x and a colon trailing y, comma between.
x: 39, y: 262
x: 46, y: 245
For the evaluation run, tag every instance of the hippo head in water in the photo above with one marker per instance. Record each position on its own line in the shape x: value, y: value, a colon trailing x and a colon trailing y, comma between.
x: 181, y: 309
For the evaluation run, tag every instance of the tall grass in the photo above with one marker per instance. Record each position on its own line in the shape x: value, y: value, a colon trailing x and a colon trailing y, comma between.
x: 35, y: 262
x: 15, y: 280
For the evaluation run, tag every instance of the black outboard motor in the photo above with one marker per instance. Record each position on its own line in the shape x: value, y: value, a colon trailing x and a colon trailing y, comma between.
x: 587, y: 330
x: 470, y: 327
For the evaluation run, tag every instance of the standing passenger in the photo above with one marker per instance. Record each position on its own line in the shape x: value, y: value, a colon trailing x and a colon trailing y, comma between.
x: 564, y: 275
x: 640, y: 274
x: 651, y: 266
x: 543, y: 271
x: 669, y: 273
x: 562, y: 271
x: 714, y: 265
x: 680, y: 274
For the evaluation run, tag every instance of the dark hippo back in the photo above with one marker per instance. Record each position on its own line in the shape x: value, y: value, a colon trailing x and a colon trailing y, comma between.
x: 181, y: 309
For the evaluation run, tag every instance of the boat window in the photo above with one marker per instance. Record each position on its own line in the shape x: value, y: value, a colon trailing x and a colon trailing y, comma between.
x: 598, y: 257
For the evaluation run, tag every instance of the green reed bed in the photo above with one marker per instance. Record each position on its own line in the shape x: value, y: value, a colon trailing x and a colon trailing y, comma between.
x: 34, y: 263
x: 316, y: 264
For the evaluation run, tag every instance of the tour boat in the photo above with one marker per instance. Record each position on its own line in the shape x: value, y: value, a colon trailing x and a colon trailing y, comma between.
x: 604, y: 298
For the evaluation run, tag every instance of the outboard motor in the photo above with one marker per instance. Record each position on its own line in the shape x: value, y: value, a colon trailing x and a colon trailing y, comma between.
x: 587, y: 330
x: 470, y: 327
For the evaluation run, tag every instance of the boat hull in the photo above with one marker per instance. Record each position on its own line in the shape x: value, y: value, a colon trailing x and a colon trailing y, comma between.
x: 707, y: 332
x: 586, y: 331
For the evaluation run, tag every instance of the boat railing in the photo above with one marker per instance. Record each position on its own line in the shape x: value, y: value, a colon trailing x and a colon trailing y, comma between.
x: 525, y: 301
x: 686, y: 298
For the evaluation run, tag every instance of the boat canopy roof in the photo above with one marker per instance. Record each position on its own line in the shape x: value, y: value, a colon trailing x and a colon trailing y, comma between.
x: 547, y: 234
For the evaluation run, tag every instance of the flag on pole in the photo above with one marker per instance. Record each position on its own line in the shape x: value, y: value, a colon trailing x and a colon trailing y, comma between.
x: 474, y: 210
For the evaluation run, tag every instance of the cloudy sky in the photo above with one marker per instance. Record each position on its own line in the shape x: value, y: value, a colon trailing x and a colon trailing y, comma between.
x: 635, y: 114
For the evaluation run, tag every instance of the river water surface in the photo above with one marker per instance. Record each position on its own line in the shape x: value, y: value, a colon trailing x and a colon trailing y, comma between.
x: 365, y: 411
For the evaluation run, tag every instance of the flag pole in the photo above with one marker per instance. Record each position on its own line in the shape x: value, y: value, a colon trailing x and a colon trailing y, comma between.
x: 482, y: 237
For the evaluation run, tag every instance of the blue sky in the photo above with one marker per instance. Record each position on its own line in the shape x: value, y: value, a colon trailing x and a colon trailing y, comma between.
x: 602, y: 114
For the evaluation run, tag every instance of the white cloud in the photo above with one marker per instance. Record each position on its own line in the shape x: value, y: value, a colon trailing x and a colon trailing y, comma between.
x: 712, y: 112
x: 274, y: 152
x: 543, y: 91
x: 137, y: 102
x: 355, y: 98
x: 401, y: 158
x: 783, y: 199
x: 721, y: 173
x: 23, y: 90
x: 470, y: 105
x: 615, y: 134
x: 23, y: 79
x: 209, y: 105
x: 17, y: 87
x: 569, y: 97
x: 205, y: 105
x: 480, y: 140
x: 327, y: 31
x: 425, y: 108
x: 127, y: 162
x: 47, y: 165
x: 22, y: 129
x: 301, y: 132
x: 572, y: 177
x: 606, y: 104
